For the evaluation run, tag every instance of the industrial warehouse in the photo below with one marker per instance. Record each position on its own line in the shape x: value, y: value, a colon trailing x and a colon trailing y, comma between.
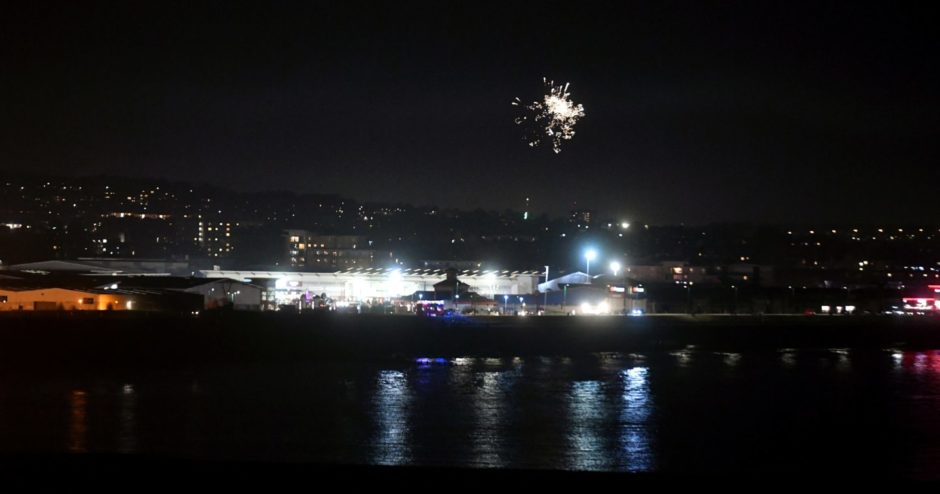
x: 85, y: 285
x: 376, y: 285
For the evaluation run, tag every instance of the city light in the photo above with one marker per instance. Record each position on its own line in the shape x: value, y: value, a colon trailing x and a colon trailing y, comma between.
x: 600, y: 308
x: 615, y: 267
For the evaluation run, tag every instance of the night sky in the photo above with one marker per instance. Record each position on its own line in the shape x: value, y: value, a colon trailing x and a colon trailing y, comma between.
x: 694, y: 113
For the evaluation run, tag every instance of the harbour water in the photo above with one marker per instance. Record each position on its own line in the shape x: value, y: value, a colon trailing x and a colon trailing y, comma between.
x: 691, y: 411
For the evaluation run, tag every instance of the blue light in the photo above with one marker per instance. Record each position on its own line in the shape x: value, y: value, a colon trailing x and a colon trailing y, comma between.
x: 431, y: 361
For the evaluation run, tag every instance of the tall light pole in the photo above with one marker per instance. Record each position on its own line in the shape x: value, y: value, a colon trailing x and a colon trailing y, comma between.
x: 589, y: 255
x: 734, y: 306
x: 545, y: 305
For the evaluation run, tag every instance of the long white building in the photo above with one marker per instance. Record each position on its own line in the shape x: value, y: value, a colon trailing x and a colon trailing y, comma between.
x: 370, y: 284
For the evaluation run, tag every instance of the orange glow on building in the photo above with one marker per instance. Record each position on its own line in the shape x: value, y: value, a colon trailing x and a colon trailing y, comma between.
x: 61, y: 299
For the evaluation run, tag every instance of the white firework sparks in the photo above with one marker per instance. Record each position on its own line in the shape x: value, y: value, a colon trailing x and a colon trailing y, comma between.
x: 555, y: 116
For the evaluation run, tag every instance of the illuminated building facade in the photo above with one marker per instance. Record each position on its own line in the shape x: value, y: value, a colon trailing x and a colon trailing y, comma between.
x: 215, y: 237
x: 377, y: 284
x: 305, y: 250
x: 14, y: 299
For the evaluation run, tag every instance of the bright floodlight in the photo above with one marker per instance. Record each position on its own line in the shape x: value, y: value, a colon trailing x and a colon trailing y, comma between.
x: 394, y: 282
x: 625, y: 225
x: 615, y: 267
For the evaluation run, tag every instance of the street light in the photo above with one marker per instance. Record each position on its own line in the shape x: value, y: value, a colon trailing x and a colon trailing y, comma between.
x: 615, y: 267
x: 545, y: 304
x: 589, y: 255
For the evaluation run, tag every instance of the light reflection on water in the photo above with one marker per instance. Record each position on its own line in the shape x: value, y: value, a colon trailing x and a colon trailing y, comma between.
x: 919, y: 363
x: 490, y: 402
x: 788, y: 357
x: 683, y: 357
x: 730, y: 359
x: 78, y: 421
x: 127, y: 415
x: 841, y: 358
x: 635, y: 427
x: 392, y: 398
x: 627, y: 412
x: 585, y: 433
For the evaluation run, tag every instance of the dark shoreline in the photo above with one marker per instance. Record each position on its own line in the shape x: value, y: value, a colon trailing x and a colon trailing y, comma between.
x: 157, y: 340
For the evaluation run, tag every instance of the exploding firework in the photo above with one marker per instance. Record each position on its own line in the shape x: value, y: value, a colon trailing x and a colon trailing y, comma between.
x: 553, y: 117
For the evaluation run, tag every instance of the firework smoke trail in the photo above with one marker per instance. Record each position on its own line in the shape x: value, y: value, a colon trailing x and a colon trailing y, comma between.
x: 555, y: 116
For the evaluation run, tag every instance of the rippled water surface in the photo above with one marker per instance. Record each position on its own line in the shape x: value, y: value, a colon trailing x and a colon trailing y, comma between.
x: 689, y: 411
